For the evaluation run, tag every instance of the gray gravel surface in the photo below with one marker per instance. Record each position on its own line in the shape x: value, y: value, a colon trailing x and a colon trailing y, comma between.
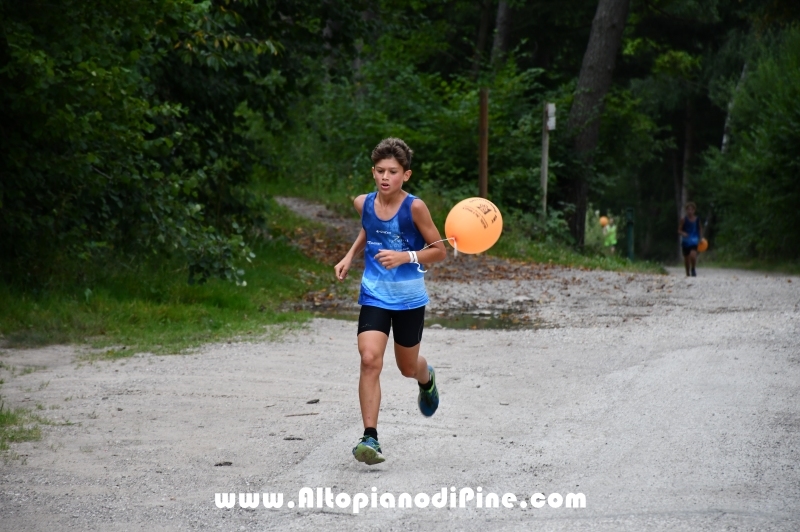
x: 670, y: 403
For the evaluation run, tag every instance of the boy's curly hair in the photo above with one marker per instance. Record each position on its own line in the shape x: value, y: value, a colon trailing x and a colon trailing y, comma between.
x: 690, y: 204
x: 393, y: 148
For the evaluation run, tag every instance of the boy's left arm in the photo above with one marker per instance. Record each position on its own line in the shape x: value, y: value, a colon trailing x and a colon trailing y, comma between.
x: 422, y: 219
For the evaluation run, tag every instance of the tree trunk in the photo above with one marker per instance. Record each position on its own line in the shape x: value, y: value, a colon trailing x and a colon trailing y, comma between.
x: 708, y: 226
x: 681, y: 177
x: 726, y: 132
x: 677, y: 180
x: 647, y: 245
x: 594, y: 81
x: 501, y: 33
x: 483, y: 32
x: 483, y: 146
x: 687, y: 153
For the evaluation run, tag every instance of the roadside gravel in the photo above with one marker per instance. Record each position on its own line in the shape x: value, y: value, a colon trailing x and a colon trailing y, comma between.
x: 670, y: 403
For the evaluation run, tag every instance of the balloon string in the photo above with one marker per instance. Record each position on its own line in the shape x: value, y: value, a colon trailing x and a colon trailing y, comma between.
x: 455, y: 250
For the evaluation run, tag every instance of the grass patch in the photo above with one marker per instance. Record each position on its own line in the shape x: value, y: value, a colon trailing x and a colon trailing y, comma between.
x: 153, y: 308
x: 517, y: 247
x: 110, y: 354
x: 16, y: 426
x: 31, y: 369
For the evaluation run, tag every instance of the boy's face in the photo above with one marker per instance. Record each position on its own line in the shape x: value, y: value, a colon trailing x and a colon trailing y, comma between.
x: 389, y: 175
x: 690, y: 210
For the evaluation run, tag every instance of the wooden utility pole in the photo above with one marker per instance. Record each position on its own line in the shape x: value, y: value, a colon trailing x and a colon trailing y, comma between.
x: 548, y: 124
x: 483, y: 148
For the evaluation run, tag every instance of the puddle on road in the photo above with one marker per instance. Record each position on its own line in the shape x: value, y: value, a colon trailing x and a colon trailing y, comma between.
x: 474, y: 320
x: 485, y: 321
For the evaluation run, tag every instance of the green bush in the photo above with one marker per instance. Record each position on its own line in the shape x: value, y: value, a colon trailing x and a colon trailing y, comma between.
x: 335, y: 131
x: 754, y: 183
x: 124, y: 126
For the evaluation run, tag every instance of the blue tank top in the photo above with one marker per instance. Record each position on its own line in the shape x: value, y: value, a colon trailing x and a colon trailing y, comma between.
x: 400, y: 288
x: 693, y: 230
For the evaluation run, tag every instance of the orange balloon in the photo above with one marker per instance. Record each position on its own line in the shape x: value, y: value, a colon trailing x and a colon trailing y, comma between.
x: 603, y: 221
x: 703, y: 245
x: 475, y: 224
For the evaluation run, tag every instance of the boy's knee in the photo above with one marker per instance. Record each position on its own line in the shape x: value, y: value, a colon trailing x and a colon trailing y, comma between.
x: 407, y: 369
x: 371, y: 361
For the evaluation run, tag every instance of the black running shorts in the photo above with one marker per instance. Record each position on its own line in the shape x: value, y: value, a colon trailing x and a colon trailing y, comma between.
x: 688, y: 249
x: 407, y: 324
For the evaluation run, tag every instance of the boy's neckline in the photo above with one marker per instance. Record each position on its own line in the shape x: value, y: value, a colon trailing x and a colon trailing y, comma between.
x: 390, y: 218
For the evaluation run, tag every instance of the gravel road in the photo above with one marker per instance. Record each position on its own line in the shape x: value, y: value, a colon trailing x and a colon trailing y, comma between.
x: 669, y: 403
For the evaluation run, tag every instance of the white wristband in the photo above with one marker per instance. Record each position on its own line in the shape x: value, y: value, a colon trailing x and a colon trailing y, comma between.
x: 410, y: 257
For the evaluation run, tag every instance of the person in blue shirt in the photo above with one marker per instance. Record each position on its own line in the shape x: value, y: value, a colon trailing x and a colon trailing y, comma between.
x: 397, y: 236
x: 691, y: 231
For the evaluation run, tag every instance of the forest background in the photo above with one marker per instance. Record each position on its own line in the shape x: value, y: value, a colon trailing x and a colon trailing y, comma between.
x: 140, y: 141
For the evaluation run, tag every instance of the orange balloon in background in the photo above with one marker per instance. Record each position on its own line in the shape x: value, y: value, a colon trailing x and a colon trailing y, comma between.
x: 603, y: 221
x: 475, y: 224
x: 703, y: 245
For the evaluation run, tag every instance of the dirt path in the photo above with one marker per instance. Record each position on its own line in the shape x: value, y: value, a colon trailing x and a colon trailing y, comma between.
x: 670, y: 403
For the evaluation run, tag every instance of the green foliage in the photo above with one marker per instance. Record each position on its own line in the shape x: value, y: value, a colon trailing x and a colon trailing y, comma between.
x: 754, y: 183
x: 130, y: 132
x: 594, y: 231
x: 121, y: 135
x: 149, y: 306
x: 97, y: 163
x: 335, y: 131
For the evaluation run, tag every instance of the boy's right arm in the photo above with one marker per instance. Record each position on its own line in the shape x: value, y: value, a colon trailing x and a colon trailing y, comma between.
x: 680, y: 228
x: 357, y: 247
x: 358, y: 203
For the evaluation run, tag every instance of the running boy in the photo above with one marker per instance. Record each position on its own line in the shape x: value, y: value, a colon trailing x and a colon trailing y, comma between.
x: 691, y: 232
x: 397, y: 236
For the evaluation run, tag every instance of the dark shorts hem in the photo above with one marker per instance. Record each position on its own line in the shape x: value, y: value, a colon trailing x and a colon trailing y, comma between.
x: 688, y: 249
x: 406, y: 325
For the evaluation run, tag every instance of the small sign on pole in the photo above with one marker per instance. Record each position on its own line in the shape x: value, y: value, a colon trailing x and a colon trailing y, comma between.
x: 548, y: 124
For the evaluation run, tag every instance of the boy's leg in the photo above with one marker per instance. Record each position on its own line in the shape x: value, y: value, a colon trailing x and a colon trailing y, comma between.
x: 371, y: 346
x: 411, y: 364
x: 686, y: 263
x: 693, y: 260
x: 374, y: 325
x: 407, y: 326
x: 373, y: 335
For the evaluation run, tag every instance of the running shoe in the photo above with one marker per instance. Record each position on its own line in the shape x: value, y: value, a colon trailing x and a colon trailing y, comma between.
x: 428, y: 401
x: 694, y: 273
x: 368, y: 451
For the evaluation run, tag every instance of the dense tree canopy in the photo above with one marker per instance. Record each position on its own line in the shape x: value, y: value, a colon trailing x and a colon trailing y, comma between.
x: 132, y: 129
x: 122, y: 123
